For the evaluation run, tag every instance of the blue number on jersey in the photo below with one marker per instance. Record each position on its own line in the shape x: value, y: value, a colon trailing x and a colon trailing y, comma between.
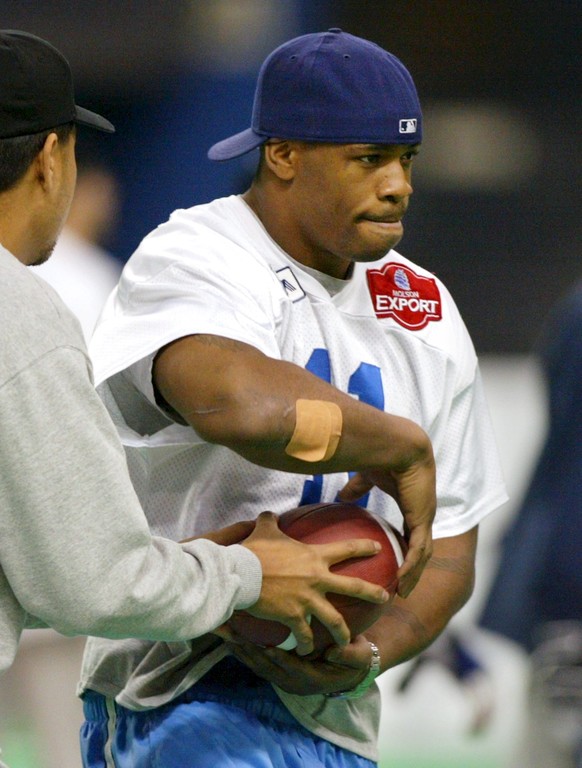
x: 366, y: 384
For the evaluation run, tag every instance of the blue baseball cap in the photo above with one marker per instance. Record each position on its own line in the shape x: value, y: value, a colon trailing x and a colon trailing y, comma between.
x: 330, y: 87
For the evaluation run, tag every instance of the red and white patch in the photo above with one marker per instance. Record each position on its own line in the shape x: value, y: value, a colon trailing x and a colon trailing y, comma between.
x: 412, y: 300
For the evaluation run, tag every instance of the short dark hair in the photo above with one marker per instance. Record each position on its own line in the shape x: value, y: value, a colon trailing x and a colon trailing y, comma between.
x: 17, y: 153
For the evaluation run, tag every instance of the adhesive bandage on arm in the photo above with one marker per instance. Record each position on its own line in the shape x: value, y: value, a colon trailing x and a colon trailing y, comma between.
x: 318, y: 428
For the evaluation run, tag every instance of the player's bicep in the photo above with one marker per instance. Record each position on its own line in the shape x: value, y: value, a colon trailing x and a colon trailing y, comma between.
x: 455, y: 555
x: 214, y: 383
x: 192, y: 373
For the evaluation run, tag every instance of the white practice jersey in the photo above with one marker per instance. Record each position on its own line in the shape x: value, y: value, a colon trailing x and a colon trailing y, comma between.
x: 391, y: 336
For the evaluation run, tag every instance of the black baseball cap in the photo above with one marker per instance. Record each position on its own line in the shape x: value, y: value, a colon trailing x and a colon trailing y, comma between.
x: 36, y: 88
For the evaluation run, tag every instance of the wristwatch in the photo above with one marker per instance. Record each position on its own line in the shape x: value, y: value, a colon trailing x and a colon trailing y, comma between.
x: 363, y: 685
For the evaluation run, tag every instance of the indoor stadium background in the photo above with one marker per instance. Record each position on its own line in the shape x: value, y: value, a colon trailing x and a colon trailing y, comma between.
x: 495, y: 214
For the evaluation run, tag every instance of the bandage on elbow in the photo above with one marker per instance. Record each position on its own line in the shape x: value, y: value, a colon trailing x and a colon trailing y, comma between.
x: 318, y: 428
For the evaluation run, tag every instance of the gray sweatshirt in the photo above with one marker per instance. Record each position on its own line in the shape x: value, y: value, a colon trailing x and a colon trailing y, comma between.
x: 76, y: 553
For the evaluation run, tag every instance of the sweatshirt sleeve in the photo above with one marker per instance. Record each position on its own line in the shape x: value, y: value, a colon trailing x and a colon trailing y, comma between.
x: 75, y: 546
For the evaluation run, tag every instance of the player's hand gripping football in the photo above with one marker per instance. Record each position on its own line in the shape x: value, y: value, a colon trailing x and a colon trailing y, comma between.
x: 304, y: 677
x: 297, y: 576
x: 410, y: 480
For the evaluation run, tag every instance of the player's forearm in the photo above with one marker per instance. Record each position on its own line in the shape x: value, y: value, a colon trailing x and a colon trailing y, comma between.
x: 410, y: 625
x: 240, y: 398
x: 369, y: 439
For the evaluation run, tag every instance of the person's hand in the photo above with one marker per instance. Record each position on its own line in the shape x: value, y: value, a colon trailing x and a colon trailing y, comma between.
x: 340, y: 669
x: 297, y: 576
x: 414, y: 488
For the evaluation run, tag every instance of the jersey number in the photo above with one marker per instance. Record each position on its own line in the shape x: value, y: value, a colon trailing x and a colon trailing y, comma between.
x: 366, y: 384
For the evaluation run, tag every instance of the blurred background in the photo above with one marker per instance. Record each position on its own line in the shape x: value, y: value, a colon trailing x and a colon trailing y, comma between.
x: 495, y: 214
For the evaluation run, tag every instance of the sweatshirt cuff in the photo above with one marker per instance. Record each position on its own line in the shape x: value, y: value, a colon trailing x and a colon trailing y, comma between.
x: 248, y: 567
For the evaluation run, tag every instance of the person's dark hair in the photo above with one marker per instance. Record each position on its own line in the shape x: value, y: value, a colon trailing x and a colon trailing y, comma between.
x: 17, y: 153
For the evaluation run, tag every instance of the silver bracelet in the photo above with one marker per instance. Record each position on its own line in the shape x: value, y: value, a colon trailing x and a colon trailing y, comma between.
x: 362, y: 687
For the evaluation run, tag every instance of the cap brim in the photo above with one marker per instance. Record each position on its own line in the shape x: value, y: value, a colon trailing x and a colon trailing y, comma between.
x: 236, y: 145
x: 92, y: 120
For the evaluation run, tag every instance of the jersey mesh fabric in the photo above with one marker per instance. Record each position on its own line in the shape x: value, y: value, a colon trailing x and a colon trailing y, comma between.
x: 214, y: 269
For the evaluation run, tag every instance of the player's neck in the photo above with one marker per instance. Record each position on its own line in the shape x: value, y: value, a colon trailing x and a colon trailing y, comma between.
x: 276, y: 216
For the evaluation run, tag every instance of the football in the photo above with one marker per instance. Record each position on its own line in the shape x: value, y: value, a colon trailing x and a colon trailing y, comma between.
x: 320, y: 524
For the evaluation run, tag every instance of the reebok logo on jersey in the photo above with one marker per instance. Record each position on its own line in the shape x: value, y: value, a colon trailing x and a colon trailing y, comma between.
x: 290, y: 284
x: 398, y: 292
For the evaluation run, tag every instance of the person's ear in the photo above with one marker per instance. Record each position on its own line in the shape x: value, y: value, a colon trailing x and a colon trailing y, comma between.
x: 281, y: 157
x: 47, y: 159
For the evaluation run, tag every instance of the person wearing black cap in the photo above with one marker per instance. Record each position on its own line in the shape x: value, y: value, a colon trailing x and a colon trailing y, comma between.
x: 255, y: 352
x: 76, y: 553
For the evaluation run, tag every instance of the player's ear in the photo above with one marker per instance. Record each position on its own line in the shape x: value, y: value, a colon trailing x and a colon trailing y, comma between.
x: 280, y: 156
x: 46, y: 160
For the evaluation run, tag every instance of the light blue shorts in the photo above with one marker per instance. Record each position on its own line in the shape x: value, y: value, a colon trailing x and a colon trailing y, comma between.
x: 207, y: 727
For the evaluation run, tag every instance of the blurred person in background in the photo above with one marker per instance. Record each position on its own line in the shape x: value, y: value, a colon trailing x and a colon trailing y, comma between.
x: 235, y: 325
x: 536, y: 595
x: 76, y: 553
x: 81, y: 269
x: 539, y: 578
